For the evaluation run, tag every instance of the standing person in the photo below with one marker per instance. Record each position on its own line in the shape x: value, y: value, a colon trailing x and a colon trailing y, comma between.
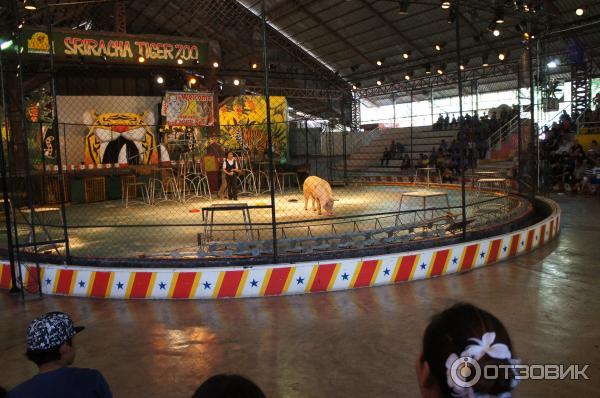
x: 230, y: 168
x: 385, y: 157
x: 50, y: 345
x: 456, y: 339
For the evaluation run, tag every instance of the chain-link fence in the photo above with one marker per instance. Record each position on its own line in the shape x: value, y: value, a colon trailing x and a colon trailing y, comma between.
x: 257, y: 178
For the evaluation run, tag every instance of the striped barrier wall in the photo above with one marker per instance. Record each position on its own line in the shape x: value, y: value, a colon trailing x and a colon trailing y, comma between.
x: 286, y: 279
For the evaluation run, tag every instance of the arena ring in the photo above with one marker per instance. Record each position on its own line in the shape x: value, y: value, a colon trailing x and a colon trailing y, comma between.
x: 361, y: 246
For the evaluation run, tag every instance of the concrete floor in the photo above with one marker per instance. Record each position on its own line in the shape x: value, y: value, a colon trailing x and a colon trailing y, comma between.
x: 348, y: 344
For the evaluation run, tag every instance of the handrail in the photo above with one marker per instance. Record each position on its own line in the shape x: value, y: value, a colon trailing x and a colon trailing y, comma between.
x: 497, y: 137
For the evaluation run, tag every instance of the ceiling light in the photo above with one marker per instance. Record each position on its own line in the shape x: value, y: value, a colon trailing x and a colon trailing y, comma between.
x: 6, y: 44
x: 30, y: 7
x: 380, y: 62
x: 579, y: 11
x: 439, y: 46
x: 141, y: 59
x: 380, y: 81
x: 499, y: 15
x: 254, y: 65
x: 215, y: 64
x: 496, y: 32
x: 179, y: 61
x: 446, y: 5
x: 354, y: 87
x: 484, y: 60
x: 462, y: 67
x: 406, y: 55
x: 428, y: 69
x: 440, y: 70
x: 403, y: 7
x: 160, y: 79
x: 501, y: 56
x: 192, y: 81
x: 236, y: 82
x: 552, y: 64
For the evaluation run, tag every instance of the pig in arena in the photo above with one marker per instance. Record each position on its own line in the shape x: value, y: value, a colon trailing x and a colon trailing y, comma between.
x: 319, y: 189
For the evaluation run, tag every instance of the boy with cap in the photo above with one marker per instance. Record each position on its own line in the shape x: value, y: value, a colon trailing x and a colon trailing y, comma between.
x: 50, y: 346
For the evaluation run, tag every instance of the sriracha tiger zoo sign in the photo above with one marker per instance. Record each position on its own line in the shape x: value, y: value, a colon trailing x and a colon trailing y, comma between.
x: 120, y: 48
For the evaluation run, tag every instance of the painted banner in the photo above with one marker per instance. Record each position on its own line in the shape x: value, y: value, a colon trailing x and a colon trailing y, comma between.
x: 188, y: 109
x: 106, y: 46
x: 243, y: 124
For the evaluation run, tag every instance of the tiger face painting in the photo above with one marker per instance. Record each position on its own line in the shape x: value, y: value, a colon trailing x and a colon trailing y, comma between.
x: 123, y: 138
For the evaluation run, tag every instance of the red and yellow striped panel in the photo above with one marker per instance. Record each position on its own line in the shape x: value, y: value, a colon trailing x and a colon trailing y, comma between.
x: 5, y: 278
x: 64, y: 281
x: 365, y: 273
x: 322, y: 277
x: 543, y: 234
x: 551, y: 230
x: 514, y: 245
x: 277, y: 281
x: 439, y: 262
x: 405, y: 268
x: 31, y: 278
x: 100, y: 284
x: 140, y: 284
x: 493, y: 251
x: 468, y: 257
x: 184, y: 285
x: 529, y: 243
x: 230, y: 283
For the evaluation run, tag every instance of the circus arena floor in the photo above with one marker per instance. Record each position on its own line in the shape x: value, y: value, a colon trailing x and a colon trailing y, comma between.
x: 360, y: 343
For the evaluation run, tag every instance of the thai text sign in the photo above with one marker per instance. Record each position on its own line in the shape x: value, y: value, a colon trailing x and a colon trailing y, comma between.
x: 188, y: 109
x: 103, y: 46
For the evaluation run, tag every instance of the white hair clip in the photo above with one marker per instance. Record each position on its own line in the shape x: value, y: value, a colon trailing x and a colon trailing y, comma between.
x: 483, y: 346
x: 486, y: 346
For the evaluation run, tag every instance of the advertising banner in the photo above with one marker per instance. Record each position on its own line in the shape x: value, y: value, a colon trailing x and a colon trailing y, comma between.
x: 188, y: 109
x: 121, y: 48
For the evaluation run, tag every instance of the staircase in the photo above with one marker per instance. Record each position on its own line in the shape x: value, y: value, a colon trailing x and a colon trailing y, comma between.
x: 370, y: 147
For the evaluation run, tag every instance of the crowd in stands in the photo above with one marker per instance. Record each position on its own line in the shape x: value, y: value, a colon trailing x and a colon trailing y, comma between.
x: 462, y: 330
x: 446, y: 157
x: 567, y: 167
x: 593, y: 116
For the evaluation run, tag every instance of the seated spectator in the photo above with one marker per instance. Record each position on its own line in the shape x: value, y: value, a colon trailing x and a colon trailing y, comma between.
x: 447, y: 176
x: 444, y: 145
x: 386, y: 157
x: 590, y: 182
x: 228, y: 386
x: 406, y: 163
x: 439, y: 125
x: 464, y: 330
x: 50, y: 345
x: 399, y: 148
x: 594, y: 151
x: 393, y: 150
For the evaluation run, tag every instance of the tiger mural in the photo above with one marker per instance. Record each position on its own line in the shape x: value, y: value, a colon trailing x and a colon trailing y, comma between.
x: 123, y: 138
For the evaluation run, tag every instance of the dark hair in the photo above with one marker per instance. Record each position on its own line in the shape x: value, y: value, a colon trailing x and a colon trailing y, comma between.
x: 40, y: 357
x: 449, y: 333
x: 228, y: 386
x: 2, y: 392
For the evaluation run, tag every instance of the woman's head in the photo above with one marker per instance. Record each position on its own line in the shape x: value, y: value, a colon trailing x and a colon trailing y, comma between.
x: 463, y: 330
x: 229, y: 155
x: 228, y: 386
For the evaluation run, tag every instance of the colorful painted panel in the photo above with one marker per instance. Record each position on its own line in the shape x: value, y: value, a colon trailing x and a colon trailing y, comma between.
x: 243, y: 124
